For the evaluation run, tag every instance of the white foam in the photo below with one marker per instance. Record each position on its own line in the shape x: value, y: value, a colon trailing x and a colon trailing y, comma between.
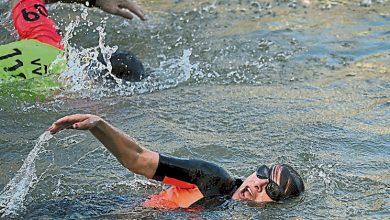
x: 83, y: 78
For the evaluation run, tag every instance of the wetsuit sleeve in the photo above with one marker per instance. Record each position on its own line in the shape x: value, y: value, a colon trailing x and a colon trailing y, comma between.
x: 32, y: 21
x: 208, y: 177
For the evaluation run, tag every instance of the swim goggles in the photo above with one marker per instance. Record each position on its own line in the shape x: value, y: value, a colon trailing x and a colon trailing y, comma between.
x: 272, y: 189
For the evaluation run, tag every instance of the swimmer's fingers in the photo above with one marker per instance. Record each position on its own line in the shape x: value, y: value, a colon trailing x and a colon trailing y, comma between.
x: 134, y: 8
x: 122, y: 12
x: 123, y: 8
x: 65, y: 122
x: 78, y: 121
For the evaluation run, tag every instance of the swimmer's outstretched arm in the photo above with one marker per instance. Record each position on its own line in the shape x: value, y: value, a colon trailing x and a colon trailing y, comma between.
x: 124, y: 8
x: 128, y: 152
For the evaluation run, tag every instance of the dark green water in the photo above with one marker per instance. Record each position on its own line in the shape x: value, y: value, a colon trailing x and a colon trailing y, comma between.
x: 238, y: 83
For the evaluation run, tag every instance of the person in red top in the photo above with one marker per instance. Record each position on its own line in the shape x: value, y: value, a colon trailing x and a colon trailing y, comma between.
x: 40, y: 46
x: 194, y: 182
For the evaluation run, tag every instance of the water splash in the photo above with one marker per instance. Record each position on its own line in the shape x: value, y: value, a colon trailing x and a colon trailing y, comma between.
x: 88, y: 77
x: 7, y: 24
x: 15, y: 192
x: 85, y: 72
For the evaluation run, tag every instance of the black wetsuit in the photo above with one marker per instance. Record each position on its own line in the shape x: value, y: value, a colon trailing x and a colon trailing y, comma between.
x: 213, y: 181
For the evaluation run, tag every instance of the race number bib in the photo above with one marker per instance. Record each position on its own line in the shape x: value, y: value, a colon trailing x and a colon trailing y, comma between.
x: 29, y: 59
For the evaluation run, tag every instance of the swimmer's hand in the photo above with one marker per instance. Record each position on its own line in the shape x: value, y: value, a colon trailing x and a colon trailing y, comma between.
x: 124, y: 8
x: 77, y: 121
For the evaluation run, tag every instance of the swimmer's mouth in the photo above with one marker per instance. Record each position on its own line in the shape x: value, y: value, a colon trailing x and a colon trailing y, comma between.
x: 247, y: 189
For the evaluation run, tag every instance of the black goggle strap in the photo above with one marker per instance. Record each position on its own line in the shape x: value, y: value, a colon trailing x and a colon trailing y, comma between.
x: 273, y: 189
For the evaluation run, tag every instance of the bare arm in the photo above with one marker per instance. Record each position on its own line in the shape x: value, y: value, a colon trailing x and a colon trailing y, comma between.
x: 124, y: 8
x: 128, y: 152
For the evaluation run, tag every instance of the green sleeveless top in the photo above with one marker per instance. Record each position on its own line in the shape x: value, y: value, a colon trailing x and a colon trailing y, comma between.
x: 29, y: 68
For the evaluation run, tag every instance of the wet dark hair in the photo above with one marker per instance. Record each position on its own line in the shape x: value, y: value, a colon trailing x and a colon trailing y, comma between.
x: 126, y: 66
x: 291, y: 182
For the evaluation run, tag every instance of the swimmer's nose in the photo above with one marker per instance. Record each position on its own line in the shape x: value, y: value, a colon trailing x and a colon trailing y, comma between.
x: 260, y: 184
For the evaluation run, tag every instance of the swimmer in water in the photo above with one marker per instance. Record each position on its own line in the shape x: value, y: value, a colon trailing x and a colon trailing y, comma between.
x: 193, y: 182
x: 40, y: 45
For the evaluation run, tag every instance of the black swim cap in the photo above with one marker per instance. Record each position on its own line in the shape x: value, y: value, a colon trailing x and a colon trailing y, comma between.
x: 126, y: 66
x: 290, y: 183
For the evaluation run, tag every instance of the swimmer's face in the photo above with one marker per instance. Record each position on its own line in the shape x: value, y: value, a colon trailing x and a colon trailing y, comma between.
x: 255, y: 189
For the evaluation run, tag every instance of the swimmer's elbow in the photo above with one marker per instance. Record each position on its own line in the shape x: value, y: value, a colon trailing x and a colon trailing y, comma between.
x: 144, y: 163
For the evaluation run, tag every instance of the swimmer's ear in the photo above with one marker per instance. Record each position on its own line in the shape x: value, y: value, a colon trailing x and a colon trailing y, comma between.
x: 126, y: 66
